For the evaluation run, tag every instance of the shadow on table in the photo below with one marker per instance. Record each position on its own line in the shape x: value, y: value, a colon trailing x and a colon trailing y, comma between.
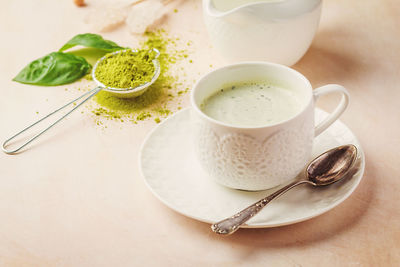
x: 332, y: 59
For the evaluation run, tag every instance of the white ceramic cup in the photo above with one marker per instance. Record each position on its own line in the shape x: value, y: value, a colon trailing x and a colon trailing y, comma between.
x: 257, y: 158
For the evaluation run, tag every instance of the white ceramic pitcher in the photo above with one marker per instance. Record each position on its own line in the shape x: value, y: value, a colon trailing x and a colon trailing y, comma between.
x: 278, y: 31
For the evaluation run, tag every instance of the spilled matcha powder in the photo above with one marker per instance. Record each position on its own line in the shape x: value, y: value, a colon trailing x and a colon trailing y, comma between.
x: 157, y: 101
x: 126, y: 69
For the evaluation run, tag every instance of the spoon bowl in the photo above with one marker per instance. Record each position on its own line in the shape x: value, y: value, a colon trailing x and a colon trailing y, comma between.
x: 328, y: 168
x: 332, y: 165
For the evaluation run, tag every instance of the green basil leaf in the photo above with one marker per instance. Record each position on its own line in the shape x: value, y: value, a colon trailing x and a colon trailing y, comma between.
x: 91, y: 40
x: 54, y: 69
x: 92, y: 55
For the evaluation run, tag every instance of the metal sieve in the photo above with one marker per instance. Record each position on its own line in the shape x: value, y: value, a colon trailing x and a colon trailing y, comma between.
x: 120, y: 92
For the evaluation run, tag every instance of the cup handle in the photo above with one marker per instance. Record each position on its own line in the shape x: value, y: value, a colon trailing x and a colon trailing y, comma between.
x: 344, y: 101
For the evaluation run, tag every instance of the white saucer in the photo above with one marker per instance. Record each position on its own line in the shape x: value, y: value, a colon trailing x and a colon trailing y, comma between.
x: 171, y: 171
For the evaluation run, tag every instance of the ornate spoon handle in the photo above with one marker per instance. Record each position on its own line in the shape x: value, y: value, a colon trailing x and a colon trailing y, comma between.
x: 231, y: 224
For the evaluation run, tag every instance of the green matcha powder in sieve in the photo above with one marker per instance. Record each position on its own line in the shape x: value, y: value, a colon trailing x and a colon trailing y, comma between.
x: 127, y: 69
x: 155, y: 101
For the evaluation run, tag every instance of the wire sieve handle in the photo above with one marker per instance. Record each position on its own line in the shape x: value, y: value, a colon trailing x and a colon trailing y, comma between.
x: 88, y: 95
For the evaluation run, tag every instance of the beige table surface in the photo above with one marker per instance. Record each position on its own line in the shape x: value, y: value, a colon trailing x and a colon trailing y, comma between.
x: 76, y: 198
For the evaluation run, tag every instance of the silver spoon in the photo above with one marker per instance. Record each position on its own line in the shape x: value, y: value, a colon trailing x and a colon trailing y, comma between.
x: 121, y: 92
x: 326, y: 169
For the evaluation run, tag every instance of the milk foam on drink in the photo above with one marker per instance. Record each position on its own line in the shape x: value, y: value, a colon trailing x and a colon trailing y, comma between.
x: 252, y: 104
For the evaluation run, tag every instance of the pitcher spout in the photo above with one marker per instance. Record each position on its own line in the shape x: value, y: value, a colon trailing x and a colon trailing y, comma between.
x: 210, y: 9
x: 221, y: 8
x: 267, y: 8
